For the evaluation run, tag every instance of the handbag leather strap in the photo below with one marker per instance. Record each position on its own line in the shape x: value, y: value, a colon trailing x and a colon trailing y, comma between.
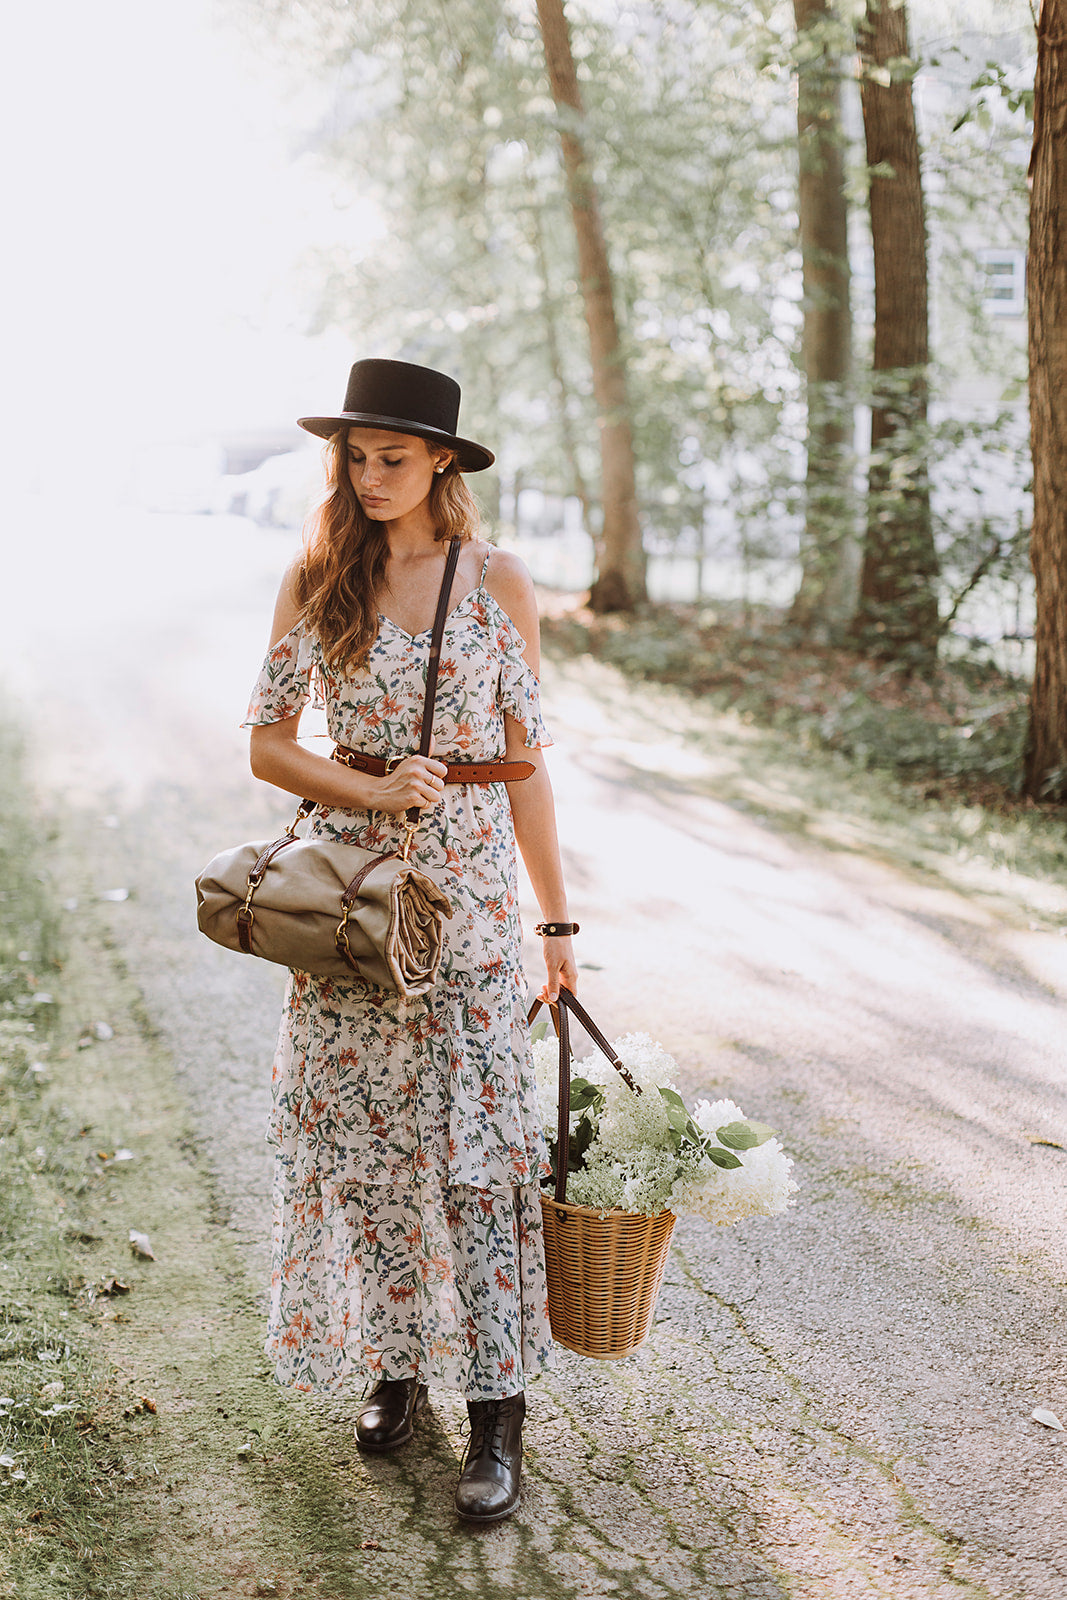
x: 434, y: 659
x: 570, y: 1002
x: 430, y: 697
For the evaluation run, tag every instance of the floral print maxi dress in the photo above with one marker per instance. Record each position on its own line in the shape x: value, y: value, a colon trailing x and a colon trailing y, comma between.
x: 407, y: 1227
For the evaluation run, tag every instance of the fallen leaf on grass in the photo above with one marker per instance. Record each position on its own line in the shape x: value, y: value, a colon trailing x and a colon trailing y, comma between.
x: 8, y: 1461
x: 82, y: 1233
x: 104, y: 1288
x: 370, y: 1544
x: 141, y: 1245
x: 1047, y: 1419
x: 141, y: 1404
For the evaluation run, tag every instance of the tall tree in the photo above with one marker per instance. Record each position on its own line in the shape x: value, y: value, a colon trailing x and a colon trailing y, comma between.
x: 1046, y: 752
x: 824, y: 600
x: 620, y: 581
x: 898, y: 612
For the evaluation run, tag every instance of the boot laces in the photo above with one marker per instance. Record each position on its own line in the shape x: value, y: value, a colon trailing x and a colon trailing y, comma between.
x: 488, y: 1427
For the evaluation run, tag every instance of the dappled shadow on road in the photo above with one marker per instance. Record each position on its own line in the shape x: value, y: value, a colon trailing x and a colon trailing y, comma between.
x: 610, y: 1506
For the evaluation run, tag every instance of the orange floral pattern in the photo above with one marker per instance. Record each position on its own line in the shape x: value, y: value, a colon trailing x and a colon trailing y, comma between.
x: 409, y: 1149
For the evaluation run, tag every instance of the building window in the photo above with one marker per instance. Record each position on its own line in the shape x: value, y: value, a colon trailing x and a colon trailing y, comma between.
x: 1002, y: 282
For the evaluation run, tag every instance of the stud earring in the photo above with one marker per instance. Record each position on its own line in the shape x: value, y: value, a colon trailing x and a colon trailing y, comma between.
x: 438, y: 469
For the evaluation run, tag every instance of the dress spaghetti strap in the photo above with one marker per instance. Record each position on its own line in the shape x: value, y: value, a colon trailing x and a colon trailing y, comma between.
x: 485, y: 567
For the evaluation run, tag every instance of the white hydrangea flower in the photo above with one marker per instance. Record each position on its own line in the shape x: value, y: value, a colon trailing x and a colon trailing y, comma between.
x: 632, y: 1164
x: 546, y: 1071
x: 632, y: 1121
x: 760, y: 1187
x: 712, y: 1115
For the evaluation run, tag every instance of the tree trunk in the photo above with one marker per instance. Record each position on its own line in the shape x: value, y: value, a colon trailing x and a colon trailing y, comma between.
x: 577, y: 485
x: 898, y: 617
x: 824, y: 601
x: 1046, y: 746
x: 620, y: 581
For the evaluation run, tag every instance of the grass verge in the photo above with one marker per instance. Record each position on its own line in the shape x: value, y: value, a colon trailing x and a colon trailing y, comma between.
x: 147, y: 1452
x: 140, y: 1433
x: 55, y: 1474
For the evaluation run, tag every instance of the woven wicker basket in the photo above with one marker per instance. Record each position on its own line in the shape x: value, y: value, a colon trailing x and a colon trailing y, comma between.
x: 604, y: 1275
x: 604, y: 1272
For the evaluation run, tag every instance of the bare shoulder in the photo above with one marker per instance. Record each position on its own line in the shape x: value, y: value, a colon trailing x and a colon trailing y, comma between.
x: 508, y: 581
x: 287, y: 607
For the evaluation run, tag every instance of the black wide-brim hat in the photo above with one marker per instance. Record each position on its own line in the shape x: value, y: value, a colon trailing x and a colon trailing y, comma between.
x: 401, y: 398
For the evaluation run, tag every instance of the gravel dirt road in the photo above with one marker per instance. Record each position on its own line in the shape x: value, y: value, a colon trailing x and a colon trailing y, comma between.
x: 833, y: 1404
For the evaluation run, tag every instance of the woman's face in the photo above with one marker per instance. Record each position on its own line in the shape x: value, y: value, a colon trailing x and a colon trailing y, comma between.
x: 391, y: 472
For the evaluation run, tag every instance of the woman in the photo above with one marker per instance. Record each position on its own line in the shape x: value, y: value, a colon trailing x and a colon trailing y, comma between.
x: 407, y: 1231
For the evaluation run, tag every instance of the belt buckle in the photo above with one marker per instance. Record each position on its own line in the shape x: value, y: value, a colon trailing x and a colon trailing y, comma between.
x: 393, y: 761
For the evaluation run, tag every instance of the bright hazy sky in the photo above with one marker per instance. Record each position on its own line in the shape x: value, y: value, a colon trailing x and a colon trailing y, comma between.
x: 154, y: 218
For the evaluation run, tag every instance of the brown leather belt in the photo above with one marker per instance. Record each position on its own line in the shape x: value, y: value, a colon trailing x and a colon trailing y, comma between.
x: 458, y: 771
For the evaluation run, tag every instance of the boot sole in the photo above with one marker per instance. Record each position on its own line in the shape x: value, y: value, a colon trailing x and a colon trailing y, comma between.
x: 498, y: 1516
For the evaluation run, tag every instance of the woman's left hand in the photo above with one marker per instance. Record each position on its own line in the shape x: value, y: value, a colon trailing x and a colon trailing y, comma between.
x: 562, y: 968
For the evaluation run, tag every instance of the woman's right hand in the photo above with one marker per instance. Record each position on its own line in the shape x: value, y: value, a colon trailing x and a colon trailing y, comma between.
x: 415, y: 781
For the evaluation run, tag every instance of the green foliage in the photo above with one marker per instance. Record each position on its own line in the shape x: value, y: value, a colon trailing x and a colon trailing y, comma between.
x: 744, y: 1135
x: 588, y: 1102
x: 445, y: 124
x: 965, y: 728
x: 444, y: 127
x: 1015, y: 97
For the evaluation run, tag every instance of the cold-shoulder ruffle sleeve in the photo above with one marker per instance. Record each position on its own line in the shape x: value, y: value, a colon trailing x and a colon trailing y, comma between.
x: 287, y: 681
x: 519, y: 692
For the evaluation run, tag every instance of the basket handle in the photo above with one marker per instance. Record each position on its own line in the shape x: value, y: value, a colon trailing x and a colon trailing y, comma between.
x: 569, y: 1002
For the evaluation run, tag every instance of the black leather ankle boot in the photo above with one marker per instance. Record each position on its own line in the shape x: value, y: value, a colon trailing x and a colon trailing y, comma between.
x: 489, y: 1484
x: 387, y: 1417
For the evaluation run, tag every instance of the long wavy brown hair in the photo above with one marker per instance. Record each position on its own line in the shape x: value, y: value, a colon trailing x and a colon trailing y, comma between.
x: 345, y: 554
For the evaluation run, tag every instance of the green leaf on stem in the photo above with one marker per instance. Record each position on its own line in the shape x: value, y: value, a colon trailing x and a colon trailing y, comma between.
x: 585, y: 1095
x: 744, y: 1135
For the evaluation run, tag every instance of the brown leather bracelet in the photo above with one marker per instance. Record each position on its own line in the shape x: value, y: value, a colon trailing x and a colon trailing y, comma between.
x: 458, y: 771
x: 557, y: 930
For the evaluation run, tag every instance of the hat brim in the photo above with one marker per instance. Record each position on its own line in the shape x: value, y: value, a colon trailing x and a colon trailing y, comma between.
x: 470, y: 457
